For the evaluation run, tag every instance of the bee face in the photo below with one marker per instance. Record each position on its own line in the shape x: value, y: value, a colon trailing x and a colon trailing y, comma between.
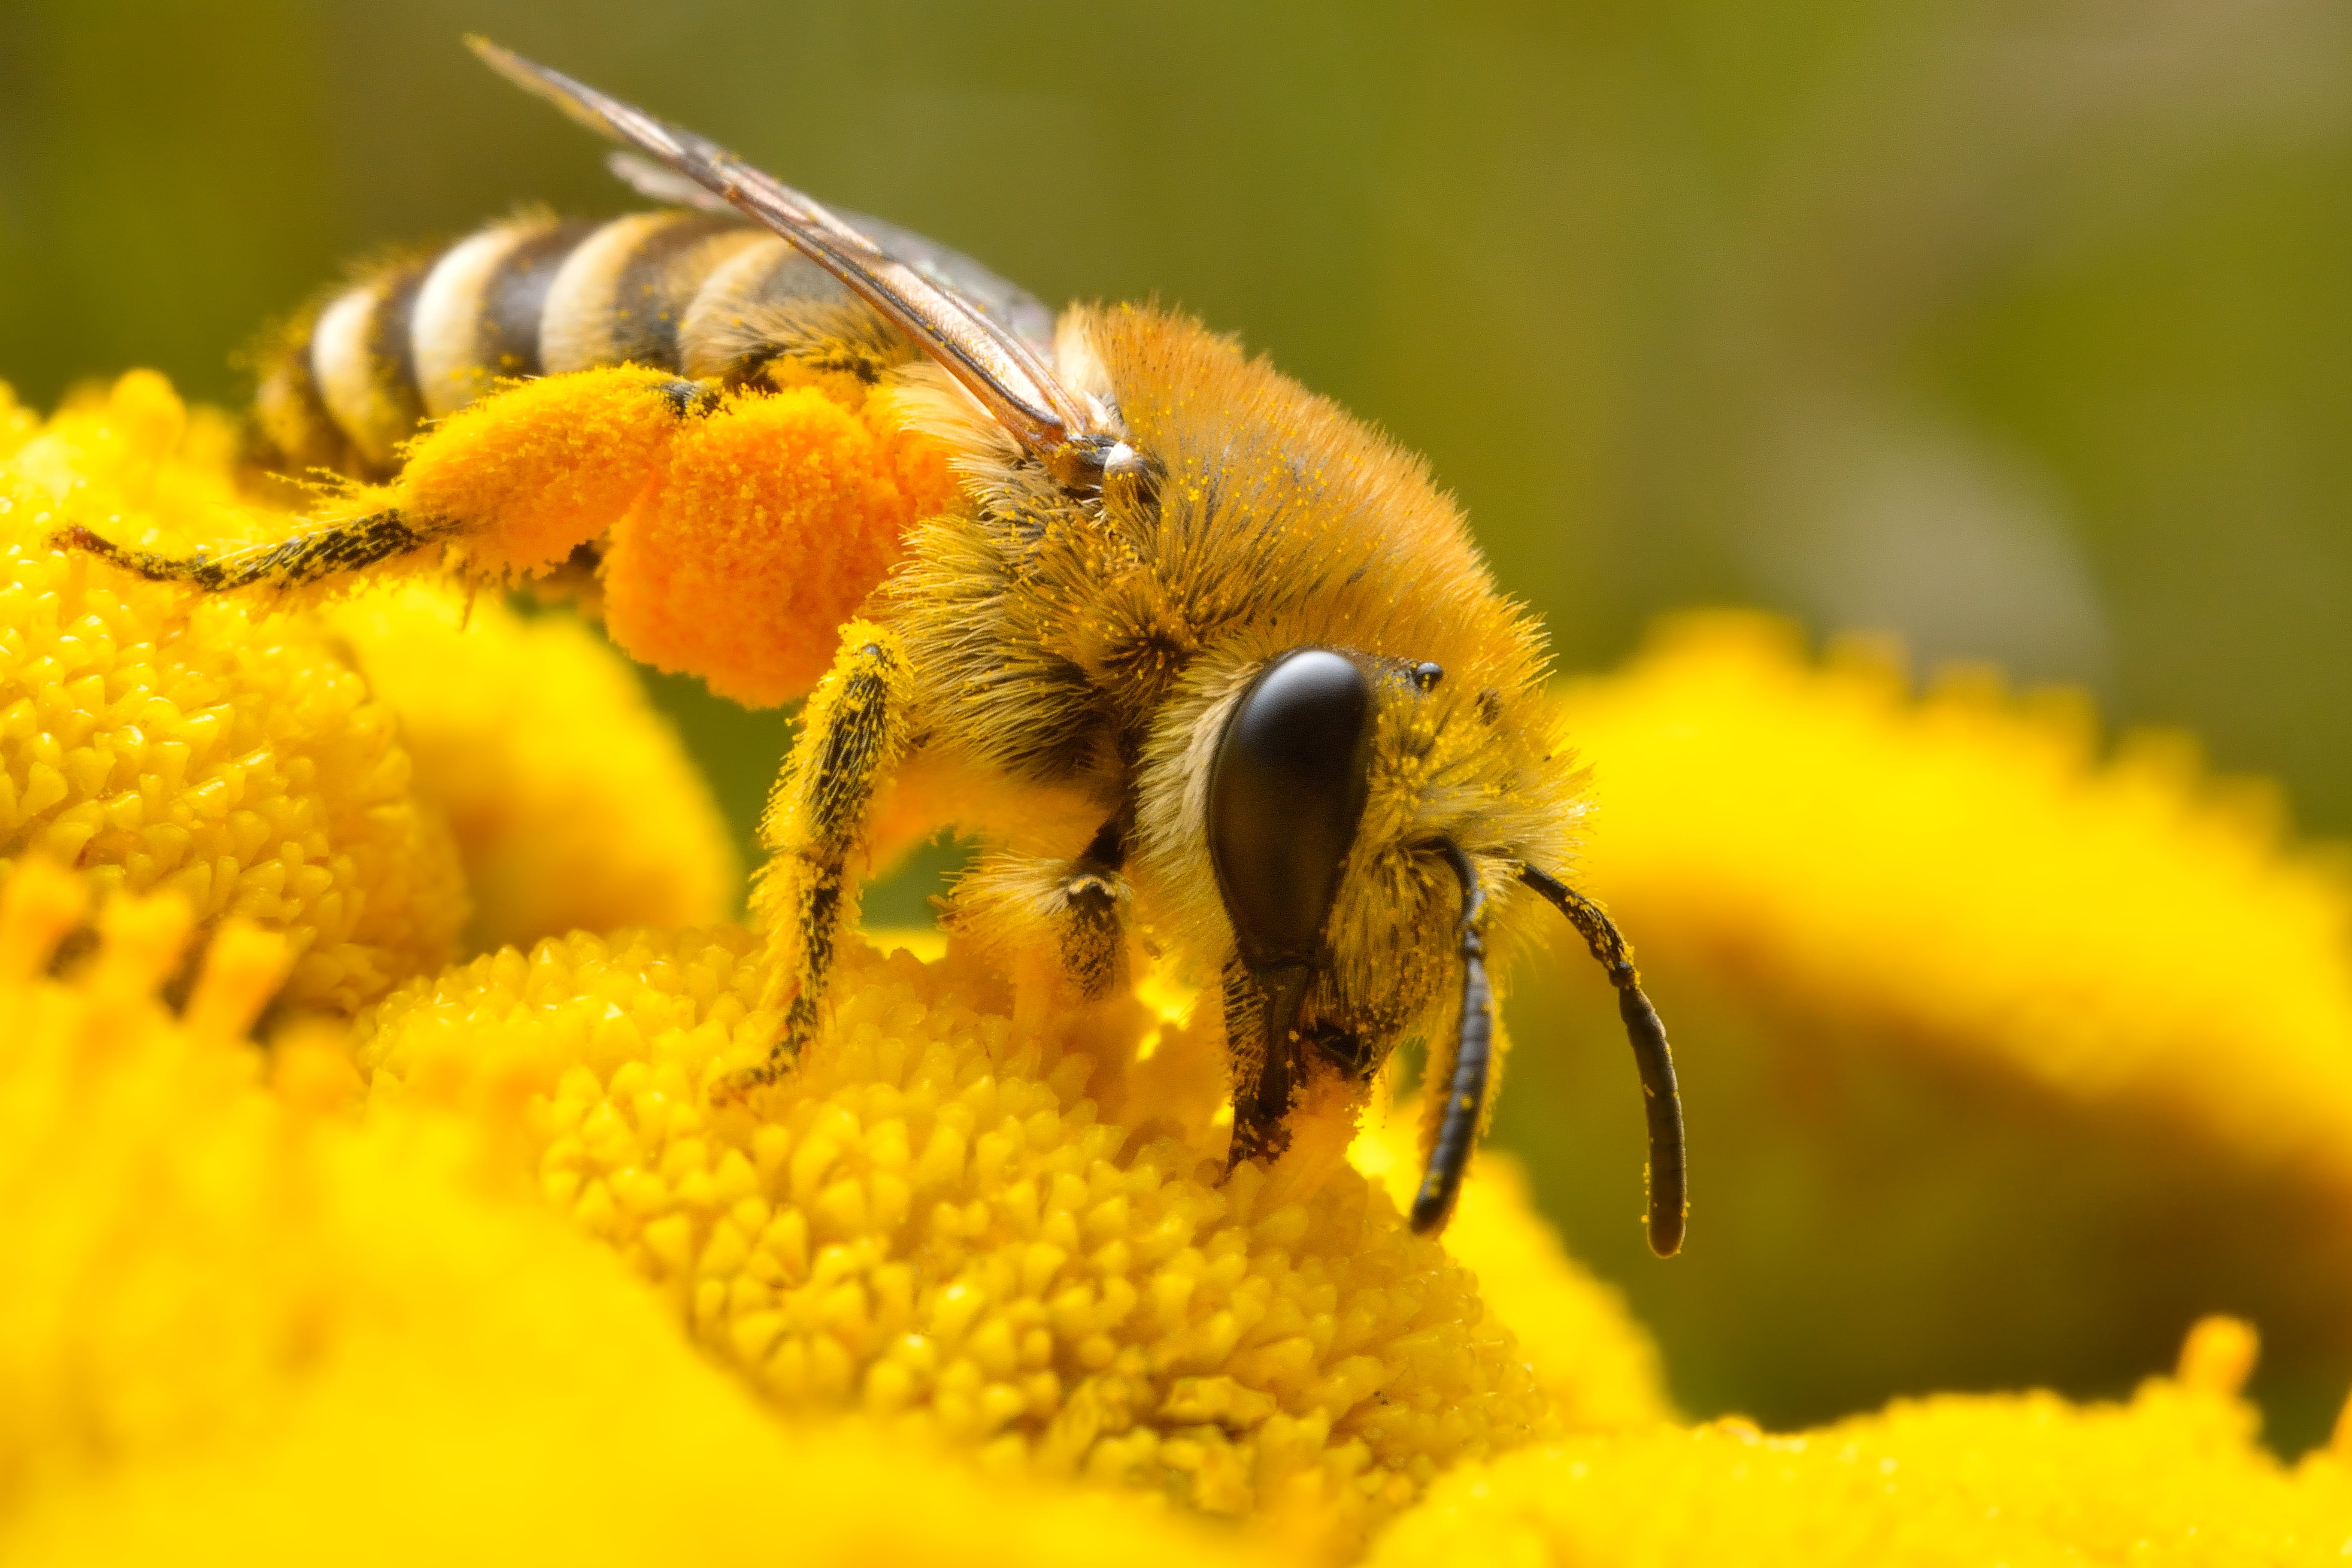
x: 1323, y: 789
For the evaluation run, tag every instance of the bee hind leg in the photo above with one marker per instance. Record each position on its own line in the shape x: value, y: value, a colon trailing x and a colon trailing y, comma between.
x: 308, y: 557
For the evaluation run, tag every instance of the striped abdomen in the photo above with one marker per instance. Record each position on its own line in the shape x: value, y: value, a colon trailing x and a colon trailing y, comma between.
x: 693, y: 292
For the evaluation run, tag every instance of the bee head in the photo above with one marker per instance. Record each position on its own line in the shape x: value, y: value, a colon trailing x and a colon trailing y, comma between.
x: 1372, y: 826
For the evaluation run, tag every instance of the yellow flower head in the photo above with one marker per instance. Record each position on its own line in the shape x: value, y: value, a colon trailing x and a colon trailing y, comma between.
x: 575, y: 806
x: 1962, y: 868
x: 1001, y: 1237
x: 303, y: 767
x: 236, y: 1327
x: 2173, y: 1477
x: 2008, y: 1060
x: 167, y: 743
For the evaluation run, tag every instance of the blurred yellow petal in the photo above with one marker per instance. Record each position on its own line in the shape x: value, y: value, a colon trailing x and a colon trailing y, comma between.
x: 2172, y: 1476
x: 943, y: 1220
x: 225, y: 753
x: 574, y: 804
x: 2003, y: 1062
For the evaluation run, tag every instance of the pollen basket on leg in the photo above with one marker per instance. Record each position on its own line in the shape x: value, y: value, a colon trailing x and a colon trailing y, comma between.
x: 774, y: 520
x: 553, y: 462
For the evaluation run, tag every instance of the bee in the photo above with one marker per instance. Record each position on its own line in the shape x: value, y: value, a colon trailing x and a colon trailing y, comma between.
x: 1183, y: 643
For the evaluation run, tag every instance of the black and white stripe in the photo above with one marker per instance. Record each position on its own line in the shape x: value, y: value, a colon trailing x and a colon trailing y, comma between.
x: 698, y: 293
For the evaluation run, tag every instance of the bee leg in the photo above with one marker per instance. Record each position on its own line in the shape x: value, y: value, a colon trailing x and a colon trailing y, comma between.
x: 305, y: 558
x: 1094, y: 896
x: 852, y: 734
x: 1259, y: 1014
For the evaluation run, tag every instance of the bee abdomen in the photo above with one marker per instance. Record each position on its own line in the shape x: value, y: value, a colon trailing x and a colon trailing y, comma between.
x: 530, y: 296
x: 478, y: 314
x: 622, y: 295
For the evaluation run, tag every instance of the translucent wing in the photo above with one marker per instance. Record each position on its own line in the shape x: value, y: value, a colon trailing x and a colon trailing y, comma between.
x: 1002, y: 301
x: 1008, y: 376
x: 657, y: 183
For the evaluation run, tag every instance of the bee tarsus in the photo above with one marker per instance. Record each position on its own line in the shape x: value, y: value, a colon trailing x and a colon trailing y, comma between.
x: 311, y: 557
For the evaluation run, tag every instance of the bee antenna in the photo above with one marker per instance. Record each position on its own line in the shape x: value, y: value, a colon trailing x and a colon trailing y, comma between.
x: 1669, y: 1193
x: 1474, y: 1056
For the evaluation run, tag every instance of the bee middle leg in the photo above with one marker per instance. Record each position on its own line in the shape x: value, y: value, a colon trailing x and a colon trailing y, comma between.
x: 1076, y: 905
x: 1093, y: 931
x: 854, y: 733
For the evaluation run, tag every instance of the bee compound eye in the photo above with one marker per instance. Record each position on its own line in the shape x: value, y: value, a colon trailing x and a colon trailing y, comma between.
x: 1285, y: 795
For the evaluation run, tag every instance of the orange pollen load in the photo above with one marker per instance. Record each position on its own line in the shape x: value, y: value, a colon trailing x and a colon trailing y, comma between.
x: 776, y: 516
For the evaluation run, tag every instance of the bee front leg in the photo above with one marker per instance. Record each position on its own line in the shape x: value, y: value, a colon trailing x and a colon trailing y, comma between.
x: 1262, y: 1043
x: 854, y: 733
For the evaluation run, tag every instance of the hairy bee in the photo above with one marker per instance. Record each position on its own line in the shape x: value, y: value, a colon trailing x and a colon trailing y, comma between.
x: 1183, y: 642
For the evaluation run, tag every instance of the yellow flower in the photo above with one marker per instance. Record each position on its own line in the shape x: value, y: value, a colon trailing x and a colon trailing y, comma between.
x: 302, y: 767
x: 161, y: 743
x: 2173, y: 1477
x: 574, y: 804
x: 1005, y: 1237
x: 2003, y: 1061
x: 1599, y: 1366
x: 235, y: 1326
x: 515, y: 1267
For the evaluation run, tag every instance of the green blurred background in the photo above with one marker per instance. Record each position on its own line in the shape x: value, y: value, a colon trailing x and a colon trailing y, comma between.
x: 2021, y: 330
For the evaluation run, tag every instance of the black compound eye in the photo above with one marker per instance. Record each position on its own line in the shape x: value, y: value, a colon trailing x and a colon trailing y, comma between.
x: 1286, y: 793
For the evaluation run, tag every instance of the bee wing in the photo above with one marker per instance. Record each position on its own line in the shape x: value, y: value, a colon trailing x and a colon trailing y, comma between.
x: 657, y: 183
x: 1002, y: 301
x: 1008, y: 376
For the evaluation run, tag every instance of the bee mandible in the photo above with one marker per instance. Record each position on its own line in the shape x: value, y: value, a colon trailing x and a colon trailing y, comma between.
x: 1181, y: 642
